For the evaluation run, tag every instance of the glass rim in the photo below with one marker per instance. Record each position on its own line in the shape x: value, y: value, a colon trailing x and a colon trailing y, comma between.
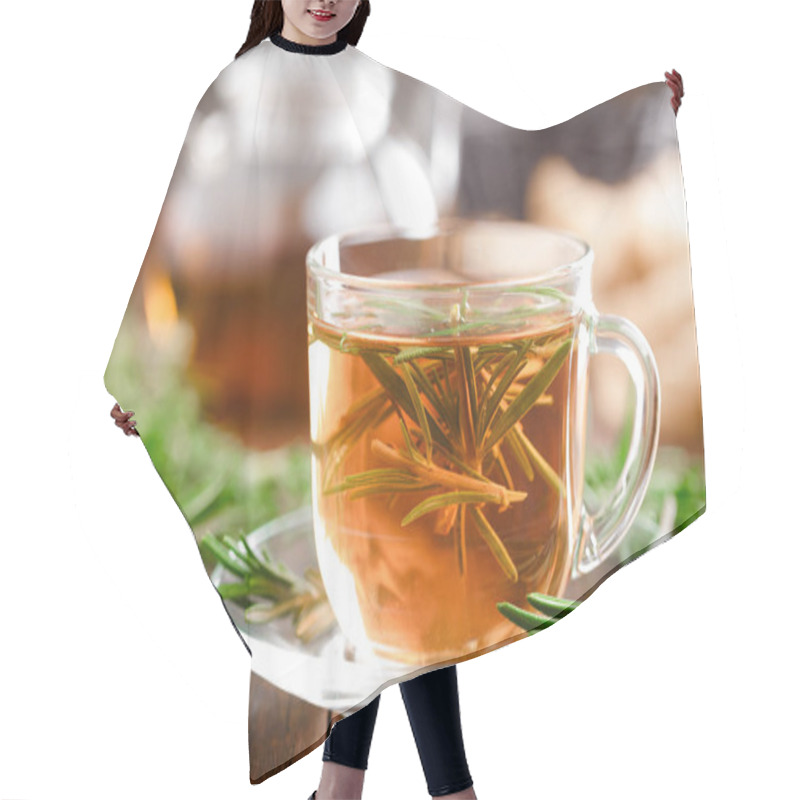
x: 388, y: 230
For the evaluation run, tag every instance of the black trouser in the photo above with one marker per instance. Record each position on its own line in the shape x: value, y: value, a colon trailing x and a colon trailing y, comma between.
x: 432, y: 706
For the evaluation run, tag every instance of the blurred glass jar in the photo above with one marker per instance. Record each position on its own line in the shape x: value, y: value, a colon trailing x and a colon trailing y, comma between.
x: 275, y: 159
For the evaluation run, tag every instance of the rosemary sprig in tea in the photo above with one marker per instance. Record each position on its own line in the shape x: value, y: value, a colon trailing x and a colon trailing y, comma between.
x: 459, y: 406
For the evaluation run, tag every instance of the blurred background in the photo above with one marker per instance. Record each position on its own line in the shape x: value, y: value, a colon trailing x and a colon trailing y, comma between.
x: 140, y: 658
x: 212, y: 351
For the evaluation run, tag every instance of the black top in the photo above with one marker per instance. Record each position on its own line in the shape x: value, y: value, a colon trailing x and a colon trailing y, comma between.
x: 309, y: 49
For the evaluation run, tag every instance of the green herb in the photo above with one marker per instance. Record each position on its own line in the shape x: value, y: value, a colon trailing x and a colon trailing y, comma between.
x: 550, y: 609
x: 458, y: 407
x: 263, y: 577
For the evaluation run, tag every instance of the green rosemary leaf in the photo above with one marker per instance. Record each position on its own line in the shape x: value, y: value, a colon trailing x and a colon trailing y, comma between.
x: 481, y: 359
x: 504, y: 469
x: 551, y: 605
x: 497, y: 459
x: 494, y: 542
x: 478, y: 326
x: 493, y: 403
x: 272, y: 573
x: 419, y: 408
x: 373, y: 477
x: 267, y: 587
x: 466, y: 467
x: 500, y: 347
x: 225, y: 557
x: 525, y: 619
x: 538, y: 460
x: 449, y: 410
x: 254, y: 557
x: 235, y: 549
x: 518, y: 451
x: 411, y: 353
x: 447, y: 499
x: 266, y: 556
x: 412, y: 451
x: 529, y: 395
x: 435, y: 378
x: 466, y: 401
x: 469, y: 374
x: 276, y: 572
x: 499, y: 367
x: 230, y: 591
x: 389, y: 379
x: 427, y: 389
x: 449, y: 392
x: 232, y: 544
x: 396, y: 389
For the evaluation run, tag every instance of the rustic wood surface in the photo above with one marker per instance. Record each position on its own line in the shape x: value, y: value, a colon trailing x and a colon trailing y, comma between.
x: 282, y: 729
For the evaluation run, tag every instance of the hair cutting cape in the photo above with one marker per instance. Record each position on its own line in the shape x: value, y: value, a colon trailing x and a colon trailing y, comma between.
x: 298, y: 483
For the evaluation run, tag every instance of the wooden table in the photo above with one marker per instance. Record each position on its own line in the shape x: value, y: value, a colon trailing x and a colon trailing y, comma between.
x: 282, y: 729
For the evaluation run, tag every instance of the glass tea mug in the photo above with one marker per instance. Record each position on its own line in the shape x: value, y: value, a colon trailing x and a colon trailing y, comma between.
x: 448, y: 382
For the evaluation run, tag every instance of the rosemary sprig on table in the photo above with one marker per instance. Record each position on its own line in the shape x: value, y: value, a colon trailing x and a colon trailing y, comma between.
x: 263, y: 577
x: 550, y: 608
x: 456, y: 412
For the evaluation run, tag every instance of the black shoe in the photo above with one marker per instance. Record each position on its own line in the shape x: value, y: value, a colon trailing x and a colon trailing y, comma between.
x: 313, y: 795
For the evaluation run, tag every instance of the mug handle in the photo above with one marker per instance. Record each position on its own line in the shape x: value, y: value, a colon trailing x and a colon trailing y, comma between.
x: 601, y: 532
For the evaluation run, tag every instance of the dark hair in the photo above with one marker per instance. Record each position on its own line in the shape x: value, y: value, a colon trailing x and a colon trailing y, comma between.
x: 266, y: 18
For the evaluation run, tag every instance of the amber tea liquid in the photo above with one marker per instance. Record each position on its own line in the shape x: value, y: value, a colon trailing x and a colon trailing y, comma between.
x: 404, y: 588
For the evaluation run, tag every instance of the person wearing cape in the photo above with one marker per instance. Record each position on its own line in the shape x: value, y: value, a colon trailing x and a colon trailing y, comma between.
x: 302, y: 137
